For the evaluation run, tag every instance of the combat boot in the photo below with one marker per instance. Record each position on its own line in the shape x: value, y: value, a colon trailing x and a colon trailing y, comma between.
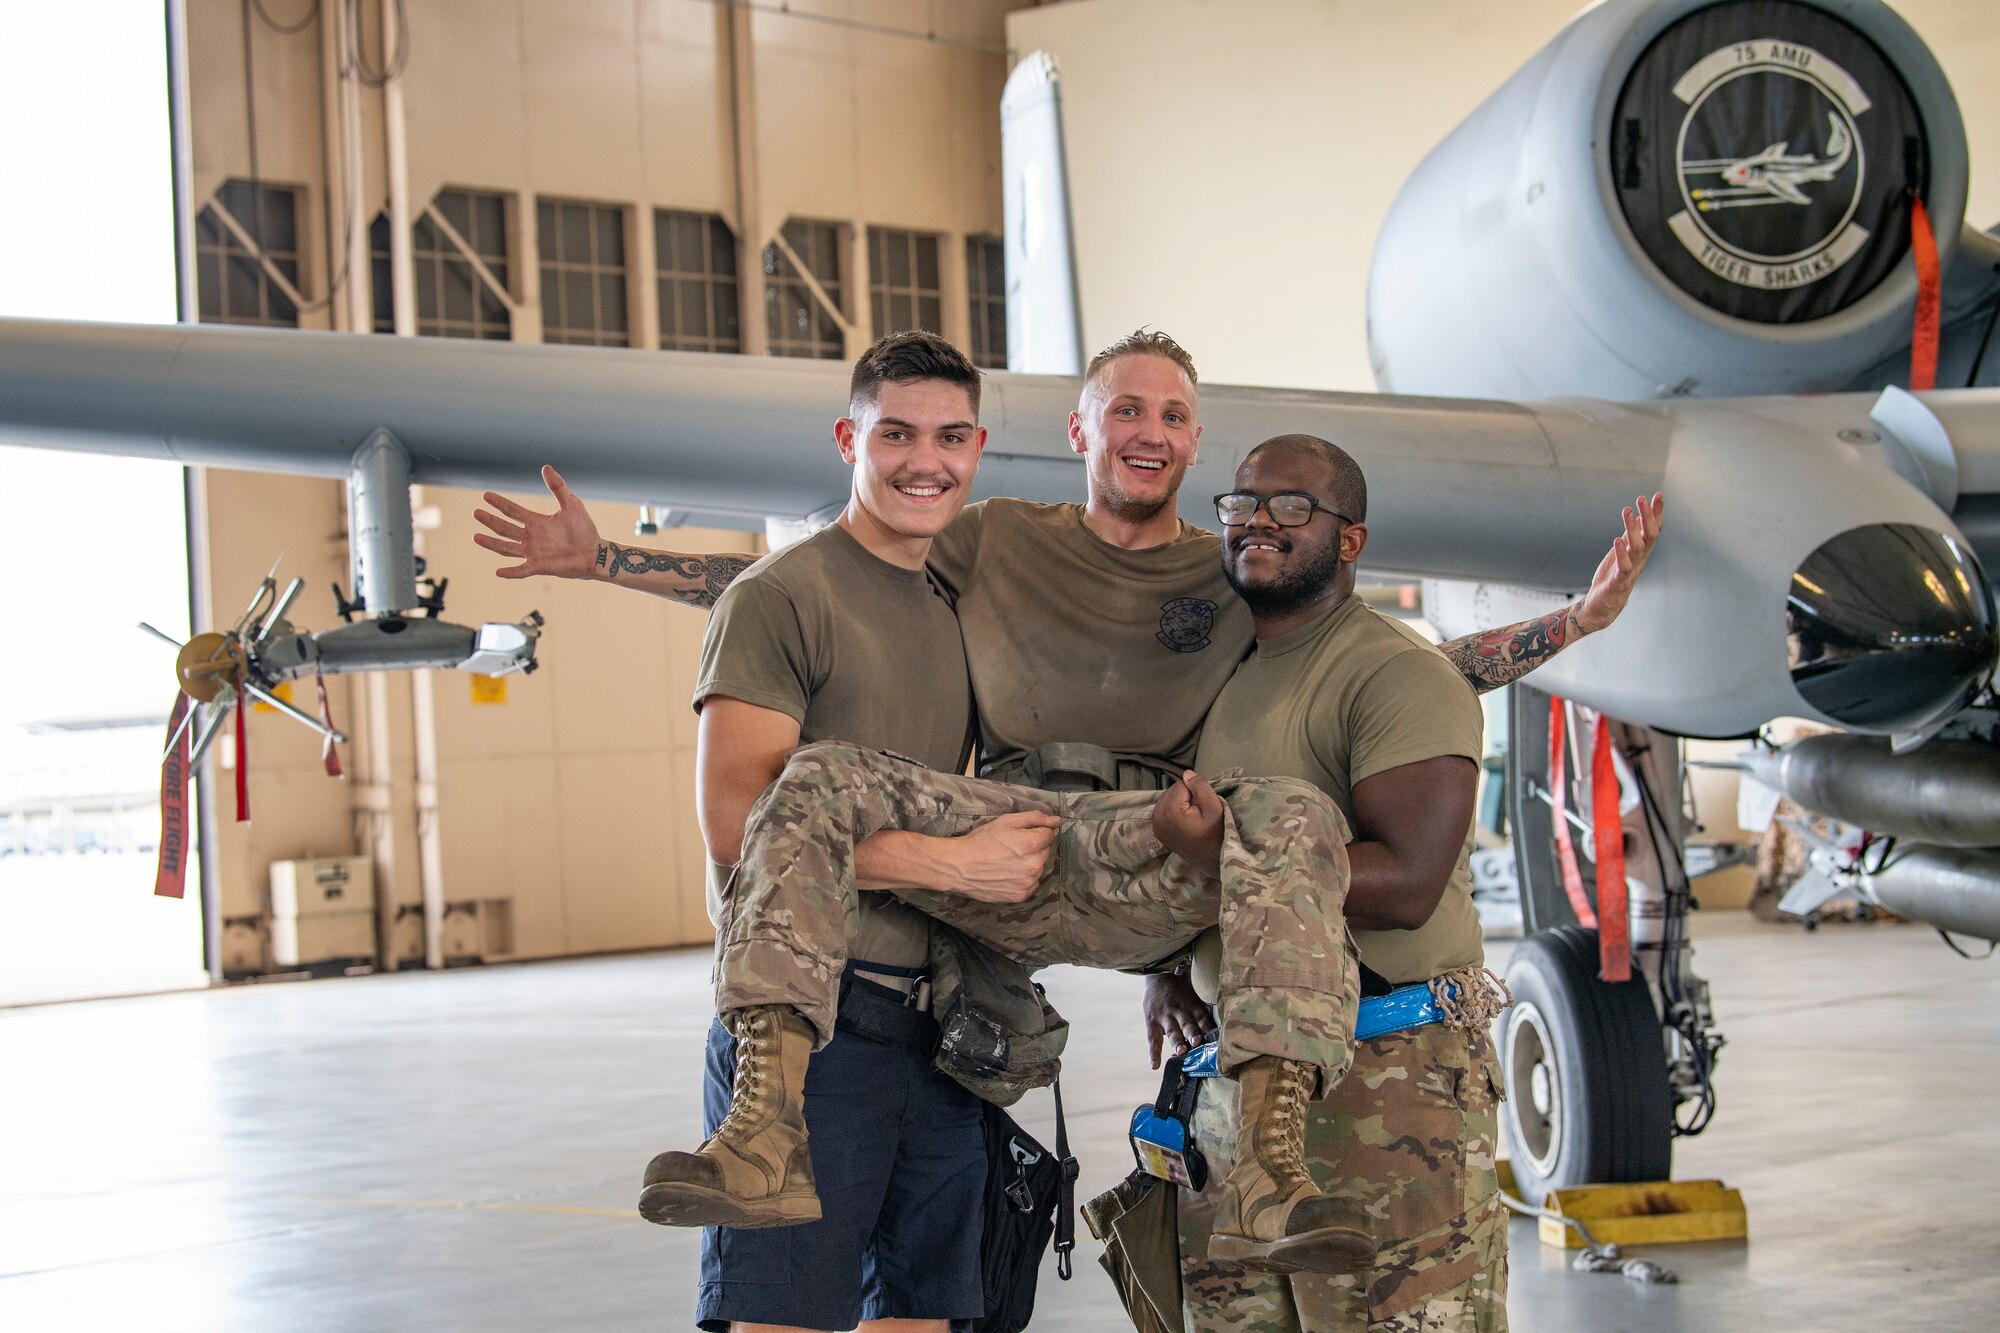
x: 756, y: 1169
x: 1270, y: 1215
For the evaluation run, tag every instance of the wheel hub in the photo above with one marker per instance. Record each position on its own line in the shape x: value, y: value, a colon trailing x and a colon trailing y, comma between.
x: 1537, y: 1116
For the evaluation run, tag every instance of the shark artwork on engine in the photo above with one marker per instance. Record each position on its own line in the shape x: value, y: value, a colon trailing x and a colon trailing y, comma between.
x: 1774, y: 176
x: 1712, y: 227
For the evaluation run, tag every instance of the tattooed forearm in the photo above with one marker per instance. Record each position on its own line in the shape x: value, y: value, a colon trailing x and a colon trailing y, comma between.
x: 616, y: 560
x: 703, y: 578
x: 1501, y: 656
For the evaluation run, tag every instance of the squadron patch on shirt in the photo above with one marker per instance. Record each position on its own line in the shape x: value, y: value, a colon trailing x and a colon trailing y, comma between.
x: 1762, y: 154
x: 1186, y: 623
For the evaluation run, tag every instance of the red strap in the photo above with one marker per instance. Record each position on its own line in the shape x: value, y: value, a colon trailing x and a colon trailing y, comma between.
x: 170, y: 879
x: 1924, y: 337
x: 242, y: 756
x: 329, y: 754
x: 1607, y: 832
x: 1559, y: 806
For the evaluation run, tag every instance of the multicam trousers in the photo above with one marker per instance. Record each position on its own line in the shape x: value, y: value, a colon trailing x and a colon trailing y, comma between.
x: 1410, y: 1132
x: 1113, y: 896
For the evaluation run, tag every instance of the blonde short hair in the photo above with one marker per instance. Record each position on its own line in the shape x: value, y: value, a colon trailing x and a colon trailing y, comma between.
x: 1142, y: 342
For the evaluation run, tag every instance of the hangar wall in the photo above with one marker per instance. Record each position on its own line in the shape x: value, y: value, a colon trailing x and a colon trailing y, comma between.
x: 558, y: 818
x: 1230, y: 165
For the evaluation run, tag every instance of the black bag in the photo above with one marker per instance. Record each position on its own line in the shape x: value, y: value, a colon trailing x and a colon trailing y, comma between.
x: 1029, y: 1197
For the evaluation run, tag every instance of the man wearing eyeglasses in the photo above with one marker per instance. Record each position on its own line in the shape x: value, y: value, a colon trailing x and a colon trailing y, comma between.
x: 1372, y: 714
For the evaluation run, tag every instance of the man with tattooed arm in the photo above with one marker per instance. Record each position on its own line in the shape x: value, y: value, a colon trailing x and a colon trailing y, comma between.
x: 1370, y: 713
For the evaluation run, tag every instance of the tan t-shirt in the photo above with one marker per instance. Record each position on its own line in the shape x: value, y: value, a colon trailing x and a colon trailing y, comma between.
x: 1337, y: 701
x: 854, y: 649
x: 1070, y: 638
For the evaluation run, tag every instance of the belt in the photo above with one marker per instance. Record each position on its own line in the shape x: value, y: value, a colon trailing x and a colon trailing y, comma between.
x: 1404, y: 1009
x: 913, y: 984
x: 1072, y: 766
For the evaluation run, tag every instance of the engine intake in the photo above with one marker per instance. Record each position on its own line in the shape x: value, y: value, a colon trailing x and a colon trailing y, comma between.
x: 1675, y: 197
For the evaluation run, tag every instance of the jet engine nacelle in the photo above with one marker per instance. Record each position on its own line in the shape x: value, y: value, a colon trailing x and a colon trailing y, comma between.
x: 1857, y: 603
x: 1675, y: 197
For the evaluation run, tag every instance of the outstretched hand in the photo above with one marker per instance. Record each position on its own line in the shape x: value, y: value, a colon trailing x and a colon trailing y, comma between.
x: 562, y: 545
x: 1188, y: 820
x: 1611, y: 586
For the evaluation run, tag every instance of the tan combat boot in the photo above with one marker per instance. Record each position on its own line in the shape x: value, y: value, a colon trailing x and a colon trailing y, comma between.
x: 1271, y: 1216
x: 755, y: 1170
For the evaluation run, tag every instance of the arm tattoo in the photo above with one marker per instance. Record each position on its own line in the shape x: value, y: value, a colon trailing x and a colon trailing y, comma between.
x: 1501, y: 656
x: 708, y: 576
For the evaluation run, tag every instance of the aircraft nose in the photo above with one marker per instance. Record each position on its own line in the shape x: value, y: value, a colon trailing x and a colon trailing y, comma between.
x: 1891, y: 627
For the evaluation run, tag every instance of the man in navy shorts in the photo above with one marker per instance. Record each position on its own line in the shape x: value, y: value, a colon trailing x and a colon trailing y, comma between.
x: 844, y: 635
x: 841, y: 636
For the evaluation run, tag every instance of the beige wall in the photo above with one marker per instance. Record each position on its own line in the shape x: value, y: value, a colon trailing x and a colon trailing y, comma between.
x: 298, y: 812
x: 575, y: 796
x: 1230, y: 164
x: 571, y: 802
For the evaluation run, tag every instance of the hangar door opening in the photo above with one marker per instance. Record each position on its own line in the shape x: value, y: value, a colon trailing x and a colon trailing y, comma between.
x: 91, y: 547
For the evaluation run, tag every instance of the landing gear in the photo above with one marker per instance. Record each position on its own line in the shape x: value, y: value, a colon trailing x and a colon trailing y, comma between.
x: 1587, y: 1097
x: 1601, y: 1077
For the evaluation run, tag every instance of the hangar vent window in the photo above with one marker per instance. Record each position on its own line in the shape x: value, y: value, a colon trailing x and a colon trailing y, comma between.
x: 696, y: 254
x: 904, y: 289
x: 986, y: 293
x: 454, y: 299
x: 247, y: 256
x: 583, y: 273
x: 800, y: 322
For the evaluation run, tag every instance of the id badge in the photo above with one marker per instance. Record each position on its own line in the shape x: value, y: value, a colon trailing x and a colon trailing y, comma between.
x: 1160, y: 1145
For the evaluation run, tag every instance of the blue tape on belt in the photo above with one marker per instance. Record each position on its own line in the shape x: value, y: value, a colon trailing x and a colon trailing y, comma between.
x: 1401, y: 1010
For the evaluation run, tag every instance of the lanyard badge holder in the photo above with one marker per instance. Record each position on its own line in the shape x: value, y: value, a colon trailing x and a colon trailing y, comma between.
x: 1162, y: 1141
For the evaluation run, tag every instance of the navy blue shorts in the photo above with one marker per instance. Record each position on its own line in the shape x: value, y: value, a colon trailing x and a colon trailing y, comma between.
x: 899, y: 1156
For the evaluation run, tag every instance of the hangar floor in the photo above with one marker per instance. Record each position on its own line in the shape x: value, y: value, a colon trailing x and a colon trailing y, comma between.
x: 460, y: 1151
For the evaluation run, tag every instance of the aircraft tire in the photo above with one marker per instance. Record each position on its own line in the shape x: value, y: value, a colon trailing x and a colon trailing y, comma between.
x: 1586, y: 1071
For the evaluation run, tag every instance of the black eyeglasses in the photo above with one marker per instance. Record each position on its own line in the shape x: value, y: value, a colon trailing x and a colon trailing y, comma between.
x: 1288, y: 509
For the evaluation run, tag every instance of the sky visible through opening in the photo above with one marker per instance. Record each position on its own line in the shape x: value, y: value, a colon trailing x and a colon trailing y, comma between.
x: 89, y: 545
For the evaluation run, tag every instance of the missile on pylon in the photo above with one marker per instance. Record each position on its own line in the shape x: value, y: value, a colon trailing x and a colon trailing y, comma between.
x: 1947, y: 792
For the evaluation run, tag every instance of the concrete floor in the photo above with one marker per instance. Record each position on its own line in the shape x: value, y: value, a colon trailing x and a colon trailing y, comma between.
x: 460, y: 1151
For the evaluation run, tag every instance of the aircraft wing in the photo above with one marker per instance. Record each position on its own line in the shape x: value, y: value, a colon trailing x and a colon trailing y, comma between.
x: 1525, y: 493
x: 1519, y: 494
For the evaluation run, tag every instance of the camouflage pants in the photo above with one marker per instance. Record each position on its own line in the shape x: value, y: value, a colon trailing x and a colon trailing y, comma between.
x: 1410, y: 1132
x: 1113, y: 896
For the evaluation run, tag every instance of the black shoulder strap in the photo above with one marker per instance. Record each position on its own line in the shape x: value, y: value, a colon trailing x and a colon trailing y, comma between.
x: 1170, y: 1087
x: 1065, y: 1191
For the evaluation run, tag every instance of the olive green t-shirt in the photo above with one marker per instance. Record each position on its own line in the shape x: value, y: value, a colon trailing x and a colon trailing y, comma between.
x: 1337, y: 701
x: 1070, y: 638
x: 854, y: 649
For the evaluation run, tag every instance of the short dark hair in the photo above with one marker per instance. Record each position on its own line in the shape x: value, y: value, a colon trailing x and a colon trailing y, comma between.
x: 1143, y: 342
x: 1349, y: 487
x: 900, y: 358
